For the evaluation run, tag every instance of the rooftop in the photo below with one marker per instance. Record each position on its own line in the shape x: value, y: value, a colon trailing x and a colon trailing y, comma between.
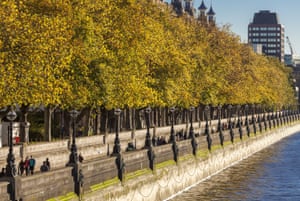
x: 265, y: 17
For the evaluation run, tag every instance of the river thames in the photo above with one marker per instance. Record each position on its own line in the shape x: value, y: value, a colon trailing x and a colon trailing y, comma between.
x: 270, y: 175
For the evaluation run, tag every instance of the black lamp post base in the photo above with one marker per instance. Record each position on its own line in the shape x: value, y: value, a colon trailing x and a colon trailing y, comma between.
x: 10, y: 170
x: 148, y: 141
x: 73, y: 158
x: 116, y: 150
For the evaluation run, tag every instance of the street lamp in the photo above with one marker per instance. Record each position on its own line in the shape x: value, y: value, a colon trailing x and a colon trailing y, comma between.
x: 208, y: 138
x: 239, y: 122
x: 277, y: 117
x: 253, y: 119
x: 192, y: 134
x: 259, y: 119
x: 117, y: 147
x: 191, y: 122
x: 220, y: 125
x: 11, y: 167
x: 148, y: 143
x: 73, y: 156
x: 280, y: 116
x: 148, y: 137
x: 284, y: 115
x: 247, y: 121
x: 274, y: 119
x: 230, y: 124
x: 270, y: 120
x: 172, y: 135
x: 265, y: 120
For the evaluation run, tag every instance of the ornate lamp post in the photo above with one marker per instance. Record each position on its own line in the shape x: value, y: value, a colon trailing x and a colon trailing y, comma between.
x: 277, y: 117
x: 239, y: 122
x: 172, y: 134
x: 230, y: 124
x: 247, y: 120
x: 148, y: 143
x: 259, y: 119
x: 265, y: 120
x: 253, y: 119
x: 192, y: 134
x: 73, y: 160
x: 11, y: 167
x: 191, y: 122
x: 117, y: 147
x: 148, y: 137
x: 220, y: 128
x: 289, y: 115
x: 270, y: 120
x: 208, y: 138
x: 284, y: 116
x: 11, y: 171
x: 274, y: 119
x: 73, y: 156
x: 280, y: 117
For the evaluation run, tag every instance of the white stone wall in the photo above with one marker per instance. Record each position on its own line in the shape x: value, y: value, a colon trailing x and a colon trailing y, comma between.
x: 169, y: 181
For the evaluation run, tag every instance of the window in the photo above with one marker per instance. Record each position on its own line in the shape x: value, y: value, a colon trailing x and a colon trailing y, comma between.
x: 263, y: 40
x: 263, y: 28
x: 263, y: 34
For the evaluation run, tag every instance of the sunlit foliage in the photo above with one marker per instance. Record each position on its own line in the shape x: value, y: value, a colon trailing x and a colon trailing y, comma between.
x: 127, y: 54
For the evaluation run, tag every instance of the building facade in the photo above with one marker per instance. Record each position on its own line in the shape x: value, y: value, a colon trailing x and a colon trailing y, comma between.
x: 266, y: 30
x: 205, y: 17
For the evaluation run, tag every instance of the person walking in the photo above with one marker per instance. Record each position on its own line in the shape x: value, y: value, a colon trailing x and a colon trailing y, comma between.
x: 47, y: 162
x: 31, y: 164
x: 21, y: 167
x: 26, y: 166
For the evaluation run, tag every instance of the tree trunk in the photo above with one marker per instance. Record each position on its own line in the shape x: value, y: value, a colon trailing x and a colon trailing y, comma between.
x: 133, y: 123
x: 84, y: 117
x: 97, y: 128
x: 48, y: 122
x: 23, y: 124
x: 104, y: 123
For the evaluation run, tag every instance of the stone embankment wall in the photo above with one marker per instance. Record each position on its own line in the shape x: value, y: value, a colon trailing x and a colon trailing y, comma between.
x: 101, y: 172
x: 90, y: 147
x: 4, y: 196
x: 170, y: 180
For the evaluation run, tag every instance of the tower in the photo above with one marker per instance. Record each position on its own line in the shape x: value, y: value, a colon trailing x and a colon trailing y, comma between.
x: 211, y: 15
x: 189, y: 8
x: 265, y: 30
x: 202, y: 16
x: 177, y: 6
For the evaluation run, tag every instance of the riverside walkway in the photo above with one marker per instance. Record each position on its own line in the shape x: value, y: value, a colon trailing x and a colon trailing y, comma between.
x: 99, y: 166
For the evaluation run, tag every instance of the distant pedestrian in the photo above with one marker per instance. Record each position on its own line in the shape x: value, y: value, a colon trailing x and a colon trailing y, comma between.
x: 48, y: 163
x: 80, y: 158
x: 44, y: 167
x: 26, y: 166
x: 21, y: 167
x: 31, y: 164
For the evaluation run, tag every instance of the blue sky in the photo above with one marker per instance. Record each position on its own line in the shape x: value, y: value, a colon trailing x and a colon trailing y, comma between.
x: 239, y: 13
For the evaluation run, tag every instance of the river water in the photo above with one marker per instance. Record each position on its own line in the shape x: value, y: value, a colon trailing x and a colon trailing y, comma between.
x: 270, y: 175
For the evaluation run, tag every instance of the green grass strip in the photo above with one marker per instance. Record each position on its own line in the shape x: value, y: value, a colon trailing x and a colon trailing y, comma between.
x: 68, y: 196
x: 137, y: 173
x: 165, y: 164
x: 105, y: 184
